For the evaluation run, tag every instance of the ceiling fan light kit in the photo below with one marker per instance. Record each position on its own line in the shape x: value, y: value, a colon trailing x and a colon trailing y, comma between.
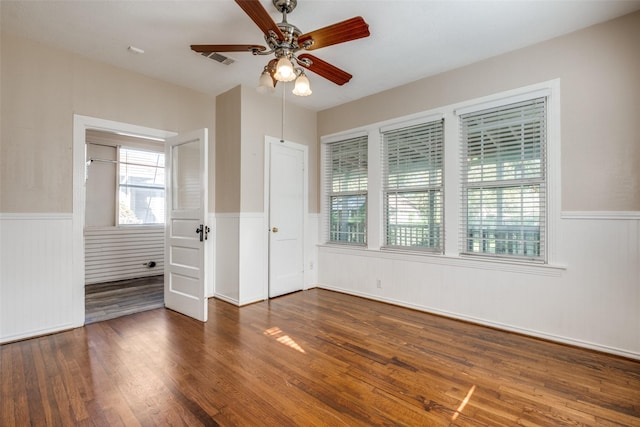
x: 302, y: 86
x: 284, y: 70
x: 265, y: 84
x: 285, y: 40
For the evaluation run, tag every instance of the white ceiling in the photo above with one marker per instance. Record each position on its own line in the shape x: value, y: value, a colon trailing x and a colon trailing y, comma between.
x: 410, y: 39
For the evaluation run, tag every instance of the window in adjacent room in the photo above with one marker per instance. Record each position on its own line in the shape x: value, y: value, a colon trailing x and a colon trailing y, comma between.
x: 504, y: 184
x: 412, y: 173
x: 141, y: 187
x: 346, y: 175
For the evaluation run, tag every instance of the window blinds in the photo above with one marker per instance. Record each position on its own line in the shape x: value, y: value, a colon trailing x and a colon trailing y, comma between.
x: 504, y: 180
x: 346, y: 181
x: 413, y: 186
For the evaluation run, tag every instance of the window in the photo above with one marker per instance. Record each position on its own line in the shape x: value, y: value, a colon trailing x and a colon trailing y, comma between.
x: 412, y: 186
x: 141, y: 187
x: 347, y: 190
x: 504, y: 180
x: 477, y: 181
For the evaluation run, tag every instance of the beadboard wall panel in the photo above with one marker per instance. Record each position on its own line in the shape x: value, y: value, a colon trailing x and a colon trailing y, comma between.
x: 36, y: 260
x: 227, y: 247
x: 120, y: 253
x: 211, y: 255
x: 240, y: 261
x: 311, y: 236
x: 592, y: 301
x: 241, y: 256
x: 254, y: 246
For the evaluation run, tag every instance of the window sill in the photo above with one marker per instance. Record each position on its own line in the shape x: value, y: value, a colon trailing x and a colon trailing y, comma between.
x: 460, y: 261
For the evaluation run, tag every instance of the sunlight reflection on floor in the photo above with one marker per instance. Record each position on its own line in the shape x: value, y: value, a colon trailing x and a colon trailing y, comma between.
x: 464, y: 403
x: 283, y: 338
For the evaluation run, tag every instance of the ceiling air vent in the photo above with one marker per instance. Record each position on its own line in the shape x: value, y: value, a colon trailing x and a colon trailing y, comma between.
x: 219, y: 58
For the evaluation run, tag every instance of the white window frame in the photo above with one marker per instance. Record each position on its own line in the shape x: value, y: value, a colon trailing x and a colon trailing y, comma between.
x: 492, y: 236
x: 328, y: 194
x: 452, y: 181
x: 119, y: 164
x: 550, y: 90
x: 426, y: 188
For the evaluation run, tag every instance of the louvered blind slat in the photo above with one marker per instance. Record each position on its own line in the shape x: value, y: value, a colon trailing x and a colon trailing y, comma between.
x: 504, y: 180
x: 346, y: 172
x: 413, y: 186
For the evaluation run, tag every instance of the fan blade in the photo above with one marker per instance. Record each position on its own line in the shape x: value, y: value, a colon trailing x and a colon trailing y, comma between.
x: 200, y: 48
x: 324, y: 69
x: 351, y: 29
x: 261, y: 17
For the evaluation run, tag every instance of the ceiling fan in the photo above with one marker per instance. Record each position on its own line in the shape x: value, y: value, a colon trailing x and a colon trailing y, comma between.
x: 285, y: 41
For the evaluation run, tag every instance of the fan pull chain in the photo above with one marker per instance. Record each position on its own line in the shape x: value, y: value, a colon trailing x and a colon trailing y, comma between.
x: 283, y: 94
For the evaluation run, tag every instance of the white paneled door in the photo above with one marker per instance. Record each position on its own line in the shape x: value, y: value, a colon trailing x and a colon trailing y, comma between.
x: 286, y: 217
x: 186, y: 229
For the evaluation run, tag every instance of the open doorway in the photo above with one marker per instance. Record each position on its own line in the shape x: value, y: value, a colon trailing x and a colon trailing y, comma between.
x: 124, y: 224
x: 177, y: 150
x: 81, y: 125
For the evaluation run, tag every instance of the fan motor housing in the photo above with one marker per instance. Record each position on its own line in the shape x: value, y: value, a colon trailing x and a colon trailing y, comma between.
x: 285, y: 6
x: 291, y: 33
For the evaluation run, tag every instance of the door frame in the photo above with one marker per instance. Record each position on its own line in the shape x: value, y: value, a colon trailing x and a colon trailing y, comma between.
x: 268, y: 142
x: 80, y: 126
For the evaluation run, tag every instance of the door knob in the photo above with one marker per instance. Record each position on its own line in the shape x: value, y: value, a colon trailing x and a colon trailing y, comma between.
x: 274, y: 229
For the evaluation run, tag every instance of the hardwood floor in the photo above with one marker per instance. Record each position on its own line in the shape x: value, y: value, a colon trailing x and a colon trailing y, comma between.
x: 310, y: 358
x: 114, y: 299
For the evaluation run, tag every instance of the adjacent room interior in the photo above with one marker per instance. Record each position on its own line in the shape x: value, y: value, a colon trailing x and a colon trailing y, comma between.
x: 124, y: 225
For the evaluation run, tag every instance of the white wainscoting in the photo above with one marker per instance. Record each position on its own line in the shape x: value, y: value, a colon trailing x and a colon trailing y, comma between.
x: 312, y: 234
x: 593, y: 301
x: 241, y: 256
x: 241, y: 260
x: 119, y: 253
x: 254, y: 250
x: 36, y: 260
x: 227, y: 252
x: 37, y: 294
x: 211, y: 255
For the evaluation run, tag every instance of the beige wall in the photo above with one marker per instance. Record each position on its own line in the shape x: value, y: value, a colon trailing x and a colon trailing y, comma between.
x: 100, y: 187
x: 43, y: 87
x: 599, y: 68
x: 244, y: 118
x: 262, y: 116
x: 228, y: 151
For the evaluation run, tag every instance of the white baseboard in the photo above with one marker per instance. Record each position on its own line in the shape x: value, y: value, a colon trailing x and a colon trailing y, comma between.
x: 483, y: 322
x: 227, y: 299
x: 36, y: 333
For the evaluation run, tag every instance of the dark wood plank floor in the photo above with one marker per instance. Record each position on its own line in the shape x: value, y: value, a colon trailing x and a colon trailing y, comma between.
x: 309, y: 358
x: 114, y: 299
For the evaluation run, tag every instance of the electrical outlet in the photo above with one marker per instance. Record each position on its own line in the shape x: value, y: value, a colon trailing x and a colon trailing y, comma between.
x: 379, y: 283
x: 311, y: 265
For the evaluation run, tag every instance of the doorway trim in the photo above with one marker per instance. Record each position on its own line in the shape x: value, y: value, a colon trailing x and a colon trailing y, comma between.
x: 268, y: 142
x: 80, y: 126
